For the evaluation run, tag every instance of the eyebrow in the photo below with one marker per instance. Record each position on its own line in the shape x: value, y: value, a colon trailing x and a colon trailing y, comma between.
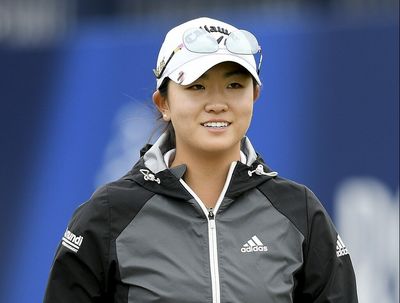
x: 239, y: 72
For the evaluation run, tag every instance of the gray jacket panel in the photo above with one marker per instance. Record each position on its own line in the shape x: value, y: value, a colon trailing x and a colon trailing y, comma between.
x: 257, y: 276
x: 163, y: 252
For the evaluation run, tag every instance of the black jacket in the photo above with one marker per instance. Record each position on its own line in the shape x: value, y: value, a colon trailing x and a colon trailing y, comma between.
x: 147, y: 237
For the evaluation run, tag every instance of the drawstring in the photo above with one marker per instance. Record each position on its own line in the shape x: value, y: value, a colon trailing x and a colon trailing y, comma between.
x: 260, y: 171
x: 148, y: 176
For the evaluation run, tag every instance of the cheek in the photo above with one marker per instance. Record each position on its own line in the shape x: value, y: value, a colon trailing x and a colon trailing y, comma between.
x: 246, y: 114
x: 181, y: 114
x: 177, y: 107
x: 249, y: 116
x: 244, y: 102
x: 182, y: 117
x: 183, y: 108
x: 246, y: 110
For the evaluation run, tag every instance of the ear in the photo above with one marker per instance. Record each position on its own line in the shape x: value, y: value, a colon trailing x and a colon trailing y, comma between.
x: 256, y: 92
x: 162, y: 105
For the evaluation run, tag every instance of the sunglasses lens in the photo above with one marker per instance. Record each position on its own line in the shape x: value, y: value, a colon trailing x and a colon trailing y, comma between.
x: 242, y: 42
x: 199, y: 41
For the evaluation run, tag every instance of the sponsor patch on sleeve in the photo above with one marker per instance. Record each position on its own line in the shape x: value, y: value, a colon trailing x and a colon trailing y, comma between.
x: 72, y: 241
x: 341, y: 249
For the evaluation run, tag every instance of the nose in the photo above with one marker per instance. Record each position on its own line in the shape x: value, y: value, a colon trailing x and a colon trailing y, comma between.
x: 216, y: 107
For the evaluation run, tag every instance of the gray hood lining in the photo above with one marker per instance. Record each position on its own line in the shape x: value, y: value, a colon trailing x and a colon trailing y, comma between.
x: 154, y: 157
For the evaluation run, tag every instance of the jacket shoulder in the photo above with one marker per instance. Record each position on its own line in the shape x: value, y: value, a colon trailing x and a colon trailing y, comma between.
x: 124, y: 199
x: 125, y: 191
x: 295, y: 201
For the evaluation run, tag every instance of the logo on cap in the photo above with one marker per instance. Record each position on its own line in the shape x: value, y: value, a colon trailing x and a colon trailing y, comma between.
x: 216, y: 29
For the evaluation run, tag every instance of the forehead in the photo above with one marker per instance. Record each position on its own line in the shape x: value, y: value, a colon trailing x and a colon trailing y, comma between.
x: 227, y: 69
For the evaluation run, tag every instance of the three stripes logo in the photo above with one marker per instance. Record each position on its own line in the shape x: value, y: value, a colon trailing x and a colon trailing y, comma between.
x: 71, y: 241
x: 253, y: 245
x: 341, y: 249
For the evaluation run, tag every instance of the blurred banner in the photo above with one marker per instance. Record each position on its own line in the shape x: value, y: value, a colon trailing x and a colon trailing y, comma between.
x: 74, y: 116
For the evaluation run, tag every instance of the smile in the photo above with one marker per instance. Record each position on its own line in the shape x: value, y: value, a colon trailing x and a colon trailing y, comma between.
x: 220, y: 124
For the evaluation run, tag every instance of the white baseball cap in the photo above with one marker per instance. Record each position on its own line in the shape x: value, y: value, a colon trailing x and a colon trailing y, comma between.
x: 184, y: 66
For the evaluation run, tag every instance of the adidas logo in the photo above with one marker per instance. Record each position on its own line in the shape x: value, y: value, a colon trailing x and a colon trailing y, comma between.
x: 341, y: 249
x: 71, y: 241
x: 253, y: 245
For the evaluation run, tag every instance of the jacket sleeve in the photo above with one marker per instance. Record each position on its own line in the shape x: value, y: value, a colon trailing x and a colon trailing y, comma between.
x: 80, y: 266
x: 328, y: 275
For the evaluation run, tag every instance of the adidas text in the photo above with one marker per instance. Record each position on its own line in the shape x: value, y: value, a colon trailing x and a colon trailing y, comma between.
x: 253, y: 245
x: 342, y: 252
x: 253, y: 249
x: 71, y: 241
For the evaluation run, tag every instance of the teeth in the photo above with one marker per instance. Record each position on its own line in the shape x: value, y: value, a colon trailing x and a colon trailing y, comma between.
x: 216, y: 124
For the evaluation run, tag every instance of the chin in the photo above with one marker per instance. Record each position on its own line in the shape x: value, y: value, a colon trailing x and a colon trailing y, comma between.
x: 216, y: 146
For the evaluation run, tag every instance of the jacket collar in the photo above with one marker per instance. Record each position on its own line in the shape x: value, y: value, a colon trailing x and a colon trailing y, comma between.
x: 152, y: 173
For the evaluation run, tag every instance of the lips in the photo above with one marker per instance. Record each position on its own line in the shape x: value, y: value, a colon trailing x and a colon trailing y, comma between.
x: 216, y: 124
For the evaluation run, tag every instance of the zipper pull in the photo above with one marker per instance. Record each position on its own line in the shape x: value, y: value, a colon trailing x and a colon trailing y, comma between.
x: 210, y: 214
x: 211, y: 219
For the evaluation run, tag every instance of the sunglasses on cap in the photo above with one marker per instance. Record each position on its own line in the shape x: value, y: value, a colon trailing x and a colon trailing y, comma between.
x: 198, y: 40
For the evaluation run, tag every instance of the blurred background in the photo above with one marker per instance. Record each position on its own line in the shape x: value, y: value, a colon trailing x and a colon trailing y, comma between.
x: 75, y: 90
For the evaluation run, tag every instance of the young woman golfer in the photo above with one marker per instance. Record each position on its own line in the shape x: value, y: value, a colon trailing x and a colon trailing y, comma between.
x: 200, y: 217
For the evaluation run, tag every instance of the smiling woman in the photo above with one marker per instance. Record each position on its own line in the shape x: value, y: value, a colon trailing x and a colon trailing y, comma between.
x: 201, y: 217
x: 209, y: 117
x: 217, y: 105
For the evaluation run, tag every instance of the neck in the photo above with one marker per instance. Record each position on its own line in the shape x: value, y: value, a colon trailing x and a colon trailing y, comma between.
x: 206, y: 172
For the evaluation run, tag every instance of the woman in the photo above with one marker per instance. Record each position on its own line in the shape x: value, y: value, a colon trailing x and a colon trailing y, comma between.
x: 200, y: 217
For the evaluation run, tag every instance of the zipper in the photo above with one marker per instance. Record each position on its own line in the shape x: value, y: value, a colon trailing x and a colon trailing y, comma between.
x: 212, y: 235
x: 210, y: 214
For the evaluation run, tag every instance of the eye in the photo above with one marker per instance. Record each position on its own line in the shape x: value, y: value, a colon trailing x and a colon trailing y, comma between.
x: 196, y: 87
x: 235, y: 85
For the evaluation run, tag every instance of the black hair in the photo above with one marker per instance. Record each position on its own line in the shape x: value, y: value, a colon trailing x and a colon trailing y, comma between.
x: 166, y: 126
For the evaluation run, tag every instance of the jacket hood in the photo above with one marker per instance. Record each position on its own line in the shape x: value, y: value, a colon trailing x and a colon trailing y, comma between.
x: 152, y: 173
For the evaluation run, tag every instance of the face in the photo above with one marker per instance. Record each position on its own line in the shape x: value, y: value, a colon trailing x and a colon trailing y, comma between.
x: 213, y: 113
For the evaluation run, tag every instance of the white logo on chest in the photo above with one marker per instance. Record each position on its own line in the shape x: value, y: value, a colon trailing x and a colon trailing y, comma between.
x: 253, y: 245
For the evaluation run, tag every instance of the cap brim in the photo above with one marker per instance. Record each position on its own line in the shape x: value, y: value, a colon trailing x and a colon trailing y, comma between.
x: 192, y: 70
